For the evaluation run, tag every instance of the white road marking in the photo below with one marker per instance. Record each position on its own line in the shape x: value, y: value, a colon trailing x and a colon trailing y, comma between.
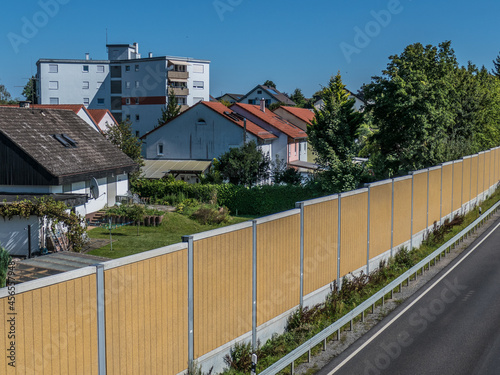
x: 409, y: 306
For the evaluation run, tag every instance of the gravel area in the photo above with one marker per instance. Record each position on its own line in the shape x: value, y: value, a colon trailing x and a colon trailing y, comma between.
x: 334, y: 348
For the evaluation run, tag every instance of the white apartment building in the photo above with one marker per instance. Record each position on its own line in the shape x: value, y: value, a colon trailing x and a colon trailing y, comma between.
x: 130, y: 86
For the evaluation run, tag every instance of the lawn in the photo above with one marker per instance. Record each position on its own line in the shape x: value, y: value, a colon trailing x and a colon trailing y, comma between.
x: 127, y: 242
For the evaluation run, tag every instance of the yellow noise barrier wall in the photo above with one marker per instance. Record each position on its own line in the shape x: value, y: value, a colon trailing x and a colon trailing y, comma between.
x: 354, y: 226
x: 278, y: 265
x: 457, y: 185
x: 402, y: 210
x: 434, y: 196
x: 380, y: 218
x: 222, y: 289
x: 320, y: 244
x: 466, y: 177
x: 146, y: 316
x: 55, y: 330
x: 474, y: 176
x: 419, y: 201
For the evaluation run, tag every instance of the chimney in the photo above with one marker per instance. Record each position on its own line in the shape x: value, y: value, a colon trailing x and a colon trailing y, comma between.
x: 263, y: 105
x: 87, y: 56
x: 24, y: 104
x: 150, y: 54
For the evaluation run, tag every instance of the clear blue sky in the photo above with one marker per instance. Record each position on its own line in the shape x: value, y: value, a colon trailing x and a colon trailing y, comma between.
x: 294, y: 43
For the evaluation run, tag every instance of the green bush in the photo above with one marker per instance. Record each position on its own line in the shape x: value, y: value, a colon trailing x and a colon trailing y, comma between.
x: 4, y: 264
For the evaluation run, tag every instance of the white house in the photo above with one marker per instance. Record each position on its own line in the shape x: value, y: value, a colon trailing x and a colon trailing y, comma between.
x: 54, y: 153
x: 132, y: 87
x: 291, y: 144
x: 269, y: 94
x: 204, y: 132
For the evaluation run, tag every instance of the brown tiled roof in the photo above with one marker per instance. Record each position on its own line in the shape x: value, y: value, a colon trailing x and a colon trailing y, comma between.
x: 251, y: 127
x: 98, y: 114
x: 303, y: 114
x: 32, y: 130
x: 272, y: 119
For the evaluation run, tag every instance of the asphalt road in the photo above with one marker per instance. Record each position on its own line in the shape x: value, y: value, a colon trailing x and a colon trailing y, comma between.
x: 450, y: 326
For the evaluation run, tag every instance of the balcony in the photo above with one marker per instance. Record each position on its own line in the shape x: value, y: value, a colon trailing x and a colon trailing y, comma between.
x: 179, y: 91
x: 177, y: 75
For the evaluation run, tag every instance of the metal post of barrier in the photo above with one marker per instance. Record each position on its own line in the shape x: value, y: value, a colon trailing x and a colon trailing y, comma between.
x: 338, y: 240
x: 189, y: 240
x: 368, y: 234
x: 392, y: 220
x: 254, y: 285
x: 411, y: 221
x: 301, y: 206
x: 101, y: 317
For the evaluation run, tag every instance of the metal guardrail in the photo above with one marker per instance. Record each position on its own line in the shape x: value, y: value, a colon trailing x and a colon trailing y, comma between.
x: 291, y: 357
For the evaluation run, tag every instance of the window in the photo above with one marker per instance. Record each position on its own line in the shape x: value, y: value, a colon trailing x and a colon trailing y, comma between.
x: 137, y: 68
x: 85, y: 85
x: 181, y: 100
x: 259, y: 91
x: 100, y: 85
x: 86, y: 101
x: 54, y: 100
x: 100, y: 68
x: 159, y: 149
x: 100, y: 101
x: 137, y: 133
x: 197, y: 68
x: 198, y: 84
x: 85, y: 69
x: 115, y: 71
x: 128, y: 117
x: 53, y: 85
x: 136, y: 100
x: 180, y: 68
x: 127, y: 85
x: 127, y: 68
x: 116, y: 87
x: 251, y: 101
x: 136, y: 84
x: 116, y: 104
x: 53, y: 68
x: 127, y: 101
x: 137, y: 118
x: 201, y: 122
x: 67, y: 188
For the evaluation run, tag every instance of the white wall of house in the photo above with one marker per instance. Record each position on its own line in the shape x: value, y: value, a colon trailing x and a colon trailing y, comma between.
x: 256, y: 95
x: 106, y: 122
x: 198, y: 134
x: 14, y: 235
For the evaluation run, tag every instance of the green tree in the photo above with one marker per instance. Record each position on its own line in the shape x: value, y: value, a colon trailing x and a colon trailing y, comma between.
x: 299, y: 98
x: 29, y: 91
x: 269, y: 83
x: 412, y: 107
x: 281, y: 174
x: 332, y: 136
x: 246, y: 165
x: 5, y: 97
x: 496, y: 69
x: 171, y: 110
x: 122, y: 136
x: 275, y: 105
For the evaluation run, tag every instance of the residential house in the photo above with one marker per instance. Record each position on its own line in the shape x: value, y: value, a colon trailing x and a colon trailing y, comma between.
x: 291, y: 144
x: 54, y: 153
x: 269, y: 94
x: 102, y: 118
x: 202, y: 133
x: 230, y: 98
x: 301, y: 117
x: 132, y: 87
x: 359, y: 103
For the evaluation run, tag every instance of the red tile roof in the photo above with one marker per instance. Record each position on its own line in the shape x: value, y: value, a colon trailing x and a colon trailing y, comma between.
x: 303, y: 114
x: 272, y: 119
x: 251, y: 127
x: 98, y: 114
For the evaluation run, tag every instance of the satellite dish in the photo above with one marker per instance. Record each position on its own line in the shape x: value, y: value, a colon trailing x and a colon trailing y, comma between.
x: 94, y: 188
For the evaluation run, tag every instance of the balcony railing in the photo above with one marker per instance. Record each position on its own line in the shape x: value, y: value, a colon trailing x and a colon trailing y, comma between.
x: 177, y: 75
x: 179, y: 91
